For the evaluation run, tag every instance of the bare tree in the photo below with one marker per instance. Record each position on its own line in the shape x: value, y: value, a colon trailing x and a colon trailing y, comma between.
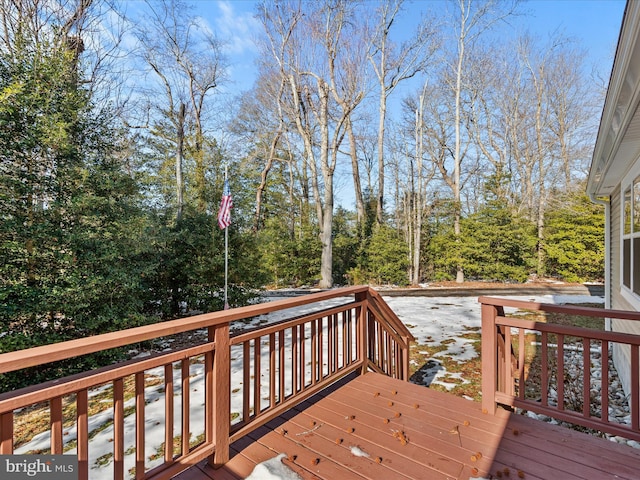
x: 37, y: 20
x: 470, y: 21
x: 324, y: 90
x: 188, y: 63
x: 557, y: 110
x: 393, y: 65
x: 272, y: 90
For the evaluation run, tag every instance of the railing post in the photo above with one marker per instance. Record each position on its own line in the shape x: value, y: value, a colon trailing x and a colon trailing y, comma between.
x: 221, y: 394
x: 489, y: 358
x: 362, y: 331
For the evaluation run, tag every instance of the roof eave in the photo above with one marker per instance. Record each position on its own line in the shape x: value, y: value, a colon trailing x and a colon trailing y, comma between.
x: 609, y: 163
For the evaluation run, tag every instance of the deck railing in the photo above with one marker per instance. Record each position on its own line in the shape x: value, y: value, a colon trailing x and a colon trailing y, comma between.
x: 556, y: 370
x: 202, y: 397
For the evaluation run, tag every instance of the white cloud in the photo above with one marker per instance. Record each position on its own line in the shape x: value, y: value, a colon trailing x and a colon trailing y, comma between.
x: 236, y: 27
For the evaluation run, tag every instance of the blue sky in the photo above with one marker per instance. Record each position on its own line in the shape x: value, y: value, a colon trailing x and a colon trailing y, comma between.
x: 595, y: 24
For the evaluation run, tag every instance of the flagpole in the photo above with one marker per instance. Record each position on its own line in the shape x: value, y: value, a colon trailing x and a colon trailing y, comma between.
x: 226, y: 252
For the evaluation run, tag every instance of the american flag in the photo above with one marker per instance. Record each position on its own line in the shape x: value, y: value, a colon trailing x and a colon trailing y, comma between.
x: 224, y: 214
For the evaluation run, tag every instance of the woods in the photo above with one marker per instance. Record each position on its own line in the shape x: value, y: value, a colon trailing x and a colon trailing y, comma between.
x: 362, y: 153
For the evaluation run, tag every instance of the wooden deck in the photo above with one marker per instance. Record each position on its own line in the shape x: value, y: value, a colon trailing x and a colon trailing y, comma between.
x: 412, y: 432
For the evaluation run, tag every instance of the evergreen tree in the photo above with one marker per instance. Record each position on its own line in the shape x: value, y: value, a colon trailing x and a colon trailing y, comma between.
x: 574, y: 244
x: 387, y: 259
x: 345, y: 245
x: 73, y: 263
x: 496, y: 245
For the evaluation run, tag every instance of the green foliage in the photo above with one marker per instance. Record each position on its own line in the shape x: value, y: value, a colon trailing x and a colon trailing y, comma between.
x: 289, y: 258
x: 345, y: 245
x: 188, y: 258
x: 69, y: 235
x: 385, y: 260
x: 574, y: 239
x: 73, y: 264
x: 495, y: 245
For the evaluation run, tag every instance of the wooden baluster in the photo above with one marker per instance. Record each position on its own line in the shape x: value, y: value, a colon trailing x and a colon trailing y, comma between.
x: 396, y: 359
x: 508, y: 367
x: 272, y: 370
x: 246, y: 379
x: 140, y: 416
x: 295, y: 359
x: 635, y: 396
x: 336, y: 350
x: 586, y: 377
x: 382, y: 348
x: 371, y: 334
x: 380, y: 344
x: 303, y: 357
x: 118, y: 429
x: 604, y: 381
x: 330, y: 345
x: 55, y: 412
x: 257, y: 382
x: 314, y: 353
x: 544, y: 373
x: 209, y: 401
x: 361, y: 338
x: 168, y: 412
x: 281, y: 369
x: 405, y: 358
x: 560, y: 372
x: 320, y: 348
x: 521, y: 362
x: 501, y: 352
x: 82, y: 416
x: 186, y: 404
x: 346, y: 338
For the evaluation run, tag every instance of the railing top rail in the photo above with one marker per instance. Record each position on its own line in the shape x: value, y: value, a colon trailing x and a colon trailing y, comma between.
x: 569, y: 330
x: 60, y: 351
x: 568, y: 309
x: 391, y: 316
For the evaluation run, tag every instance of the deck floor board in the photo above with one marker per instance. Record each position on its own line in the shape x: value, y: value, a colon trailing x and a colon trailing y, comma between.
x: 447, y: 438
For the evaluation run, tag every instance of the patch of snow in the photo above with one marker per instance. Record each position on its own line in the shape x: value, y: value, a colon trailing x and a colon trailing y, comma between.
x: 434, y: 320
x: 273, y: 469
x: 358, y: 452
x: 142, y: 355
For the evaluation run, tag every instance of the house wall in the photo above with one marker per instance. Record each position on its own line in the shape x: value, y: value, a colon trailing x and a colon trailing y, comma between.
x: 621, y: 354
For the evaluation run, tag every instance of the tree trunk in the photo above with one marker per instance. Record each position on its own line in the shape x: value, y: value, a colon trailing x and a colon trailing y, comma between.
x: 326, y: 222
x: 381, y: 118
x: 179, y: 157
x: 357, y: 184
x: 457, y: 160
x: 263, y: 180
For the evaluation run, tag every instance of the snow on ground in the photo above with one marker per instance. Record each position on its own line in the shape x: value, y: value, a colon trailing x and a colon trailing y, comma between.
x: 432, y: 320
x: 444, y: 321
x: 273, y: 469
x: 436, y: 319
